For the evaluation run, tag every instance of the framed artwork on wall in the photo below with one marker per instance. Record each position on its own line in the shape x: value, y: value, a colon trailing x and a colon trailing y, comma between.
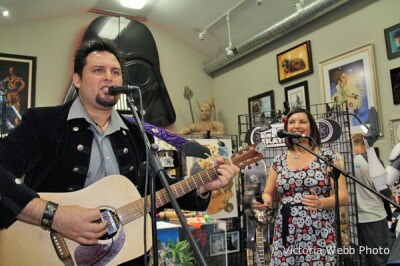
x: 394, y: 126
x: 17, y: 88
x: 392, y: 39
x: 223, y: 203
x: 294, y: 62
x: 297, y: 95
x: 260, y: 107
x: 395, y: 79
x: 351, y: 77
x: 218, y: 245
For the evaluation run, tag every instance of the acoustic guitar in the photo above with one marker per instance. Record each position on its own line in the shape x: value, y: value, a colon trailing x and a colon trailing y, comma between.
x: 120, y: 204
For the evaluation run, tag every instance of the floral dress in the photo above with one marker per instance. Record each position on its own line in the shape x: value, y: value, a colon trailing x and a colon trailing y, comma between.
x: 302, y: 236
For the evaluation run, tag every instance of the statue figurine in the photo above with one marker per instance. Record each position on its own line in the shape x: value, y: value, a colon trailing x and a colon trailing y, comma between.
x: 206, y: 125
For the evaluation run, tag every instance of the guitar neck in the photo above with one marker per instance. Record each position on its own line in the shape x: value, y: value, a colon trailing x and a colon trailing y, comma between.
x: 134, y: 210
x: 260, y: 245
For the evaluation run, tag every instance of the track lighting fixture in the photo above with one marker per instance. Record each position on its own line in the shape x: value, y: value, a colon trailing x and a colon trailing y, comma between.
x: 4, y: 11
x: 260, y: 2
x: 299, y: 6
x: 201, y: 35
x: 228, y: 49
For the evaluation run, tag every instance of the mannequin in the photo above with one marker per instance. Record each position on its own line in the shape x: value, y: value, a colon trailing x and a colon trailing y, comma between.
x: 393, y: 170
x: 206, y: 125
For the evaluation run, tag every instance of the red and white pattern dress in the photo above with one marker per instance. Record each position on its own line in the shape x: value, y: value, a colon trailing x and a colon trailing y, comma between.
x: 302, y: 236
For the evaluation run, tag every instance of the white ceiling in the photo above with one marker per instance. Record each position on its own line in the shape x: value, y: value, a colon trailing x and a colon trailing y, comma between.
x: 185, y: 19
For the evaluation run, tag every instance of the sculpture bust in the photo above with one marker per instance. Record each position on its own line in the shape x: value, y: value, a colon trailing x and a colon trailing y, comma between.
x: 206, y: 124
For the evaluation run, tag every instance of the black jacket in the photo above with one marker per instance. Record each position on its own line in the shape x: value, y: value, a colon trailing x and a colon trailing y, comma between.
x: 52, y: 154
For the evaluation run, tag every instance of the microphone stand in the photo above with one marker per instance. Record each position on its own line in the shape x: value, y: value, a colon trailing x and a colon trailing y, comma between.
x: 158, y: 169
x: 336, y: 172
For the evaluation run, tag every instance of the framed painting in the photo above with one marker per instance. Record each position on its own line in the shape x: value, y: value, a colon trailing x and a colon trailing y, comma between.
x: 392, y: 39
x: 395, y: 79
x: 17, y: 88
x: 351, y: 77
x: 232, y: 242
x: 261, y: 107
x: 294, y: 62
x: 219, y: 245
x: 394, y: 126
x: 297, y: 95
x: 223, y: 203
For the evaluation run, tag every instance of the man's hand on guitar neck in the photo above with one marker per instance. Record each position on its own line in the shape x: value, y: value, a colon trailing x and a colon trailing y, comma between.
x: 225, y: 175
x: 73, y: 222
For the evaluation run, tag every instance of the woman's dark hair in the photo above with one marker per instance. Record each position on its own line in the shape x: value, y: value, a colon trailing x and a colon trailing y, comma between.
x: 314, y: 132
x: 95, y: 45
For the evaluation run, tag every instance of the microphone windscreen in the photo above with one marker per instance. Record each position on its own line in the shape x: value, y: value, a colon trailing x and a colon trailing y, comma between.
x: 280, y: 133
x: 373, y: 119
x: 329, y: 130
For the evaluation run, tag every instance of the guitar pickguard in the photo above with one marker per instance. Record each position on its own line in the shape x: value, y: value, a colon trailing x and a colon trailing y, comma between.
x: 109, y: 244
x: 99, y: 254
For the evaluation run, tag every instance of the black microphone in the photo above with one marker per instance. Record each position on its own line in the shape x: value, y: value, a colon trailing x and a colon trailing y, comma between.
x: 126, y: 89
x: 283, y: 134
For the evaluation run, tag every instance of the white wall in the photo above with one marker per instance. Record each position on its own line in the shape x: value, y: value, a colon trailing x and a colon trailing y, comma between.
x: 182, y: 66
x: 53, y: 42
x: 353, y: 26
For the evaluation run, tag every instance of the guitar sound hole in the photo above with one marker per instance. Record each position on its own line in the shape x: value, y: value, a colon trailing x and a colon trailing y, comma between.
x: 112, y: 225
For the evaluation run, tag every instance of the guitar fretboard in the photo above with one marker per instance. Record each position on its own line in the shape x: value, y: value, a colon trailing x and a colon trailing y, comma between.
x: 260, y: 245
x: 135, y: 209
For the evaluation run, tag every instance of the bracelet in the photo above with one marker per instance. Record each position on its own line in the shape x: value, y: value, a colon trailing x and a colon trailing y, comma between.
x: 203, y: 196
x: 48, y: 215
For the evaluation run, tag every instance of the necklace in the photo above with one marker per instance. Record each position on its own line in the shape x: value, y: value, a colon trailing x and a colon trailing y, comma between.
x: 297, y: 156
x: 101, y: 126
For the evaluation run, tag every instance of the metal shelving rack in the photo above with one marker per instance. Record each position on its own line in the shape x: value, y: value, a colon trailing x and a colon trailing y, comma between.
x: 339, y: 113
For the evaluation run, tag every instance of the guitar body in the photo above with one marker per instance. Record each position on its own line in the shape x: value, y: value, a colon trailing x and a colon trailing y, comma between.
x: 24, y: 244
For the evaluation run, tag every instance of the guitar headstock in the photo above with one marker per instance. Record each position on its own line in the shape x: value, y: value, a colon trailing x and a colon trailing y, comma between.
x: 248, y: 155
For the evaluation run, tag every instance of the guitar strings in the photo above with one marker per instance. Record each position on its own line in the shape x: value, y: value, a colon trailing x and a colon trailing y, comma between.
x: 126, y: 209
x: 134, y: 210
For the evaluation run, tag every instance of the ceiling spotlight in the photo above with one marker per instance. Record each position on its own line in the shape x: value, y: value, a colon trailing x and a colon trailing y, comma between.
x: 201, y: 35
x: 229, y: 51
x: 4, y: 11
x: 135, y: 4
x: 299, y: 6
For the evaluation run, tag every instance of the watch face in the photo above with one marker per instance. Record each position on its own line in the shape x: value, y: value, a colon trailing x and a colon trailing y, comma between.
x: 138, y: 73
